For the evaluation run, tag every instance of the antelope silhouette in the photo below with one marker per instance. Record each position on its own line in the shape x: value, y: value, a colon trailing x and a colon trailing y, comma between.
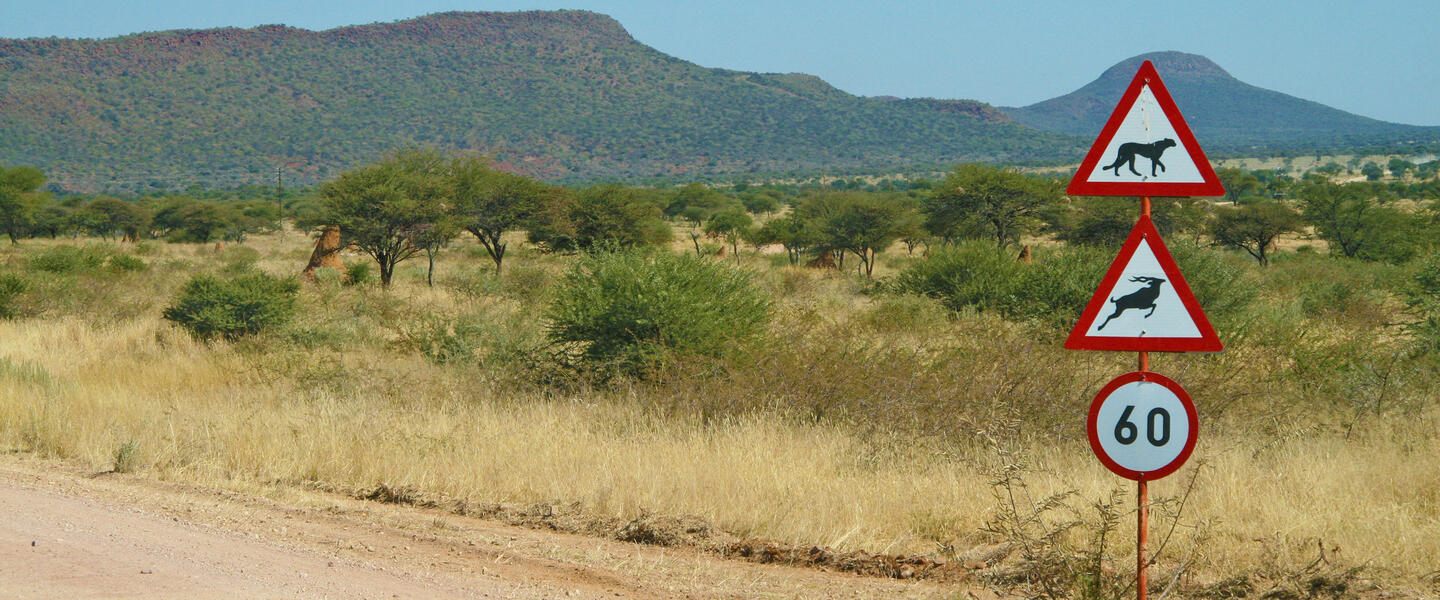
x: 1139, y: 299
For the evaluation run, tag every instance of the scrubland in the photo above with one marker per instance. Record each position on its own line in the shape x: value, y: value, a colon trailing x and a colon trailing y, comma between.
x: 864, y: 419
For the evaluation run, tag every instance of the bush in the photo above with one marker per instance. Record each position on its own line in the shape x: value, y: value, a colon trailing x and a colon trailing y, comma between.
x: 125, y: 263
x: 359, y: 274
x: 209, y: 307
x: 631, y: 308
x: 10, y: 287
x: 69, y: 259
x: 979, y: 276
x: 1423, y: 299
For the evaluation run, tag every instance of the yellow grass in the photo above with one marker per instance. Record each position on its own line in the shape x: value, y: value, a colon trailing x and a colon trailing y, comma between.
x: 227, y: 416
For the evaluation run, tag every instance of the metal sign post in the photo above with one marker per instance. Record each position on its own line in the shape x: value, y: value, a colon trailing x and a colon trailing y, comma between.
x: 1142, y: 425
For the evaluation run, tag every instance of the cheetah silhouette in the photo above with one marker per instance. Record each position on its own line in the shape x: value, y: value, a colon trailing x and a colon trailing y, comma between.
x: 1152, y: 151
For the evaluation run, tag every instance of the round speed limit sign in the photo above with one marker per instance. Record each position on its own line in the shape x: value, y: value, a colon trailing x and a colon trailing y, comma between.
x: 1142, y: 425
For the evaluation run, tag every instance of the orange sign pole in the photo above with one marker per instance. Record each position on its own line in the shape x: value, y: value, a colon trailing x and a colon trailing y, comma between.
x: 1142, y: 492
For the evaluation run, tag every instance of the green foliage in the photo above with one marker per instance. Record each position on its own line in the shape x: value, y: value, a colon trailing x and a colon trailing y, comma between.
x: 18, y: 199
x: 124, y: 263
x: 390, y: 209
x: 599, y: 218
x: 1359, y: 221
x: 730, y: 225
x: 11, y: 286
x: 629, y: 309
x: 488, y: 203
x: 984, y: 201
x: 1254, y: 227
x: 209, y: 307
x: 1423, y: 299
x: 974, y: 275
x: 788, y: 231
x: 127, y: 457
x: 359, y: 274
x: 69, y: 259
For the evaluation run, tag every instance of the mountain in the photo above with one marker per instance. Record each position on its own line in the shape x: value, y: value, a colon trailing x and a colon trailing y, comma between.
x: 561, y: 95
x: 1226, y: 114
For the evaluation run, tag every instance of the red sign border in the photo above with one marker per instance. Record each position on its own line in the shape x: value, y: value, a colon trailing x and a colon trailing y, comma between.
x: 1080, y: 186
x: 1093, y: 418
x: 1208, y: 340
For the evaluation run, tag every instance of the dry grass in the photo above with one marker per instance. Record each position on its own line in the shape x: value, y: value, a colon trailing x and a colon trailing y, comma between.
x: 899, y: 465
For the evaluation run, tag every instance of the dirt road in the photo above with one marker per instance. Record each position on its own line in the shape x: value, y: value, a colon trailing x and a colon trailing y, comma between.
x: 66, y: 533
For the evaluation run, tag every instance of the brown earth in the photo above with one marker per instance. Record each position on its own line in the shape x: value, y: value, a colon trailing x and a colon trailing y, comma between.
x: 69, y: 533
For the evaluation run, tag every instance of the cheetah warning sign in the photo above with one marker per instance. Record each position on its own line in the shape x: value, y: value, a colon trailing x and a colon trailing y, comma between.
x: 1145, y: 149
x: 1143, y: 303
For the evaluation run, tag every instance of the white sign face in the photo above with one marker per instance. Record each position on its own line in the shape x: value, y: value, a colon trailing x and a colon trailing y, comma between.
x: 1141, y: 426
x: 1144, y: 303
x: 1146, y: 149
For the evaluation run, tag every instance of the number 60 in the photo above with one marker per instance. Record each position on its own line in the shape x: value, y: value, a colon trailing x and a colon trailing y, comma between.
x: 1126, y: 432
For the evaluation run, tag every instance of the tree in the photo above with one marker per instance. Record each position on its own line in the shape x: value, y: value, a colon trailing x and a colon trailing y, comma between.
x: 1356, y: 224
x: 105, y: 216
x: 599, y: 218
x: 789, y: 231
x: 730, y: 225
x: 1372, y: 171
x: 489, y: 203
x: 1399, y: 166
x: 865, y: 226
x: 19, y: 197
x: 52, y: 219
x: 1238, y: 184
x: 384, y: 207
x: 984, y: 201
x: 1254, y: 227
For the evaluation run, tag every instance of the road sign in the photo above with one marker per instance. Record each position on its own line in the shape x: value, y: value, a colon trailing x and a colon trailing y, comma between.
x: 1143, y: 303
x: 1142, y: 426
x: 1145, y: 149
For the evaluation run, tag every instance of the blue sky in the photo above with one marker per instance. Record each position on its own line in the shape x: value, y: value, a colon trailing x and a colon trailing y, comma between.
x: 1377, y: 59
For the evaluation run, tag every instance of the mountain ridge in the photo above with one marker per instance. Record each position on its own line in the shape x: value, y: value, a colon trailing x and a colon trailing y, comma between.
x: 554, y: 94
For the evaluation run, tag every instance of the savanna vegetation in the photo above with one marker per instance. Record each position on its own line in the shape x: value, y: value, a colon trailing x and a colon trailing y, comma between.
x: 609, y: 352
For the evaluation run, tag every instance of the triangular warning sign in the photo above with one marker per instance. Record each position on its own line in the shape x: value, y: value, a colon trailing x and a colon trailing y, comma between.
x: 1145, y: 149
x: 1143, y: 303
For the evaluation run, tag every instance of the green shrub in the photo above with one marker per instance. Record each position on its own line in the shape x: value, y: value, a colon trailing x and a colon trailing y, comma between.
x: 979, y: 276
x: 69, y: 259
x: 359, y: 274
x: 630, y: 308
x: 210, y: 307
x: 1215, y: 281
x: 11, y: 286
x: 125, y: 263
x: 1423, y: 299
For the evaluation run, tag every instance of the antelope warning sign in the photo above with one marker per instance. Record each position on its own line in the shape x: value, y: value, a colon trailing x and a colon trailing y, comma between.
x: 1145, y: 149
x: 1143, y: 303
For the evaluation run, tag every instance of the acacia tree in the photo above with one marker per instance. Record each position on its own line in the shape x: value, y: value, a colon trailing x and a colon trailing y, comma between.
x: 489, y: 203
x: 789, y: 231
x: 1356, y: 223
x: 1254, y: 227
x: 385, y: 207
x: 730, y: 225
x: 105, y: 216
x: 865, y: 226
x: 984, y: 201
x: 18, y: 199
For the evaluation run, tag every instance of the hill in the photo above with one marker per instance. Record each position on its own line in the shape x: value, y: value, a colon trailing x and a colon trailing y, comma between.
x: 1226, y: 114
x: 560, y: 95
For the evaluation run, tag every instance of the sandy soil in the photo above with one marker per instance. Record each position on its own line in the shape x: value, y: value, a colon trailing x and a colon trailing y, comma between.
x: 67, y: 533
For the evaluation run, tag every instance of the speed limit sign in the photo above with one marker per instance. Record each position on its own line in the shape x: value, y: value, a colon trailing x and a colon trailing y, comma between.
x: 1142, y: 426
